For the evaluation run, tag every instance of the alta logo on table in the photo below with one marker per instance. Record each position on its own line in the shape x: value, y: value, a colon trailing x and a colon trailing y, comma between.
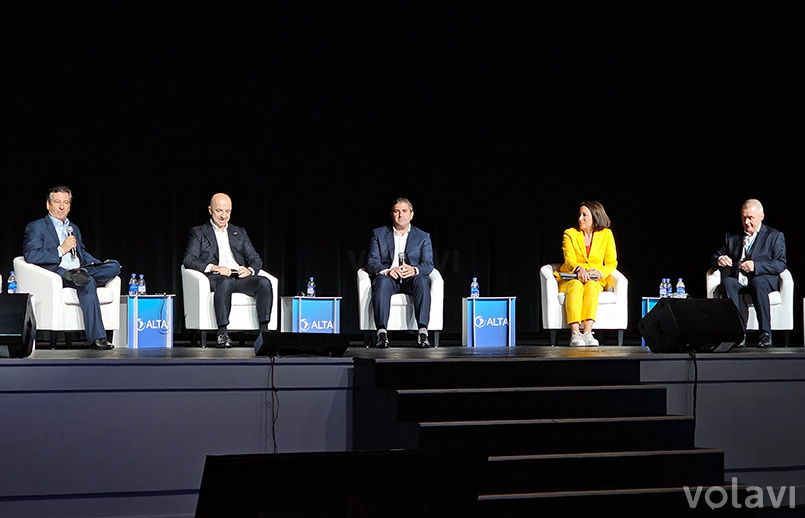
x: 315, y: 326
x: 159, y: 324
x: 481, y: 321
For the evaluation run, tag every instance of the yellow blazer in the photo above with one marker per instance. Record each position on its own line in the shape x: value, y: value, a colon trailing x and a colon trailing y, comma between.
x: 603, y: 256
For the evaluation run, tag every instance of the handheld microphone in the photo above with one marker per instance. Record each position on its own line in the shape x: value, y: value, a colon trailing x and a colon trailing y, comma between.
x: 401, y: 258
x: 70, y: 233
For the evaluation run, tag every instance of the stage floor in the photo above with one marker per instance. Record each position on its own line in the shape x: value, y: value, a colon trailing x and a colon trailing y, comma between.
x: 246, y: 353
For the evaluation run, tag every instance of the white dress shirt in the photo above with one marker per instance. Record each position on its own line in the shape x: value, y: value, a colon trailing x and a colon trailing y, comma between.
x: 225, y: 256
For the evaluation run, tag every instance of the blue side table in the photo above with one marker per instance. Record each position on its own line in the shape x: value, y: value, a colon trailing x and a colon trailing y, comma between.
x: 311, y: 315
x: 147, y: 321
x: 488, y: 321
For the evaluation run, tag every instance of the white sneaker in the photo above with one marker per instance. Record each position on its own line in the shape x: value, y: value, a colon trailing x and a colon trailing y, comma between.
x: 577, y: 340
x: 590, y: 340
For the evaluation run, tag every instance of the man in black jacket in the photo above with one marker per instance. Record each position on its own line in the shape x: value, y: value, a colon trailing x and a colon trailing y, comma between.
x: 225, y: 253
x: 751, y: 262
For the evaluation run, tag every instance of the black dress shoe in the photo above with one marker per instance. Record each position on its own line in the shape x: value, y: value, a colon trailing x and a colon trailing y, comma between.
x: 764, y: 341
x: 77, y: 276
x: 101, y: 344
x: 223, y: 341
x: 423, y: 342
x: 382, y: 341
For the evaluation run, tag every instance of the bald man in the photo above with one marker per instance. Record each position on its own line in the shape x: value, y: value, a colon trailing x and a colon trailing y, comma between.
x: 751, y: 262
x: 226, y: 255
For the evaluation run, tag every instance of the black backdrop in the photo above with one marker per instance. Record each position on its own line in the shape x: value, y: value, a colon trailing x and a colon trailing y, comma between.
x: 495, y: 120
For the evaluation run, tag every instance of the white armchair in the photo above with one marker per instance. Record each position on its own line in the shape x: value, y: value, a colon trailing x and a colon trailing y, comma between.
x: 613, y: 307
x: 782, y: 303
x: 401, y: 315
x: 56, y: 308
x: 199, y: 310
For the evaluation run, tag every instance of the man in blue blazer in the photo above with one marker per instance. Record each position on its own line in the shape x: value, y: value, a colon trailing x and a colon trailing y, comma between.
x: 400, y: 259
x: 751, y: 262
x: 224, y: 252
x: 55, y: 243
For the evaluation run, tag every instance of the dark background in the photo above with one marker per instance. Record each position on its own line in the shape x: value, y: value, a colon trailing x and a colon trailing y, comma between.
x: 494, y: 118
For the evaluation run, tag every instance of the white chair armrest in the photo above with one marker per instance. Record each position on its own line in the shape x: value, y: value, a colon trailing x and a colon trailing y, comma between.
x: 46, y: 288
x: 195, y: 295
x: 365, y: 316
x: 713, y: 282
x: 273, y: 323
x: 549, y: 288
x: 436, y: 322
x: 787, y: 288
x: 620, y: 285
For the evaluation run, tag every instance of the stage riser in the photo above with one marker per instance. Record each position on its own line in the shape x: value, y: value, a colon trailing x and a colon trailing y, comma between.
x: 571, y: 436
x: 508, y: 372
x: 597, y: 472
x: 554, y: 403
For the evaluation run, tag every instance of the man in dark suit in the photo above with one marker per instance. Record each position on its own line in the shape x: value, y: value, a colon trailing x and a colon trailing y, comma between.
x: 225, y: 253
x: 392, y: 273
x: 55, y: 243
x: 751, y: 262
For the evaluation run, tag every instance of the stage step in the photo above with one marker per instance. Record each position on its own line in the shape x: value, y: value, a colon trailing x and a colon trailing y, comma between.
x: 602, y: 470
x: 565, y: 437
x: 530, y: 402
x: 493, y: 372
x: 661, y: 502
x: 531, y: 436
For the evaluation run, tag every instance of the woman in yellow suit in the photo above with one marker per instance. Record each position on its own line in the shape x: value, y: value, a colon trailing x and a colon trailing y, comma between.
x: 589, y: 252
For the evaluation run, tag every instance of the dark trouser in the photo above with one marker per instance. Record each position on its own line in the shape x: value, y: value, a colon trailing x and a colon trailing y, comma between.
x: 99, y: 275
x: 758, y: 288
x: 383, y: 287
x: 255, y: 286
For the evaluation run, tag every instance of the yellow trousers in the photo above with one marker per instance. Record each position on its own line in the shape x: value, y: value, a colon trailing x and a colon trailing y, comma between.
x: 581, y: 299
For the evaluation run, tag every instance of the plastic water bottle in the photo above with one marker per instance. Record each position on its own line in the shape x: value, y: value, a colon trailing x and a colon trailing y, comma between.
x: 134, y: 286
x: 12, y: 283
x: 680, y: 289
x: 663, y: 289
x: 141, y: 285
x: 475, y: 290
x: 311, y: 288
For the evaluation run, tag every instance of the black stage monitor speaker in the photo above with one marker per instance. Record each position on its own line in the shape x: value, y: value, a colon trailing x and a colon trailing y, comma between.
x: 397, y: 483
x: 306, y: 344
x: 700, y: 325
x: 17, y: 326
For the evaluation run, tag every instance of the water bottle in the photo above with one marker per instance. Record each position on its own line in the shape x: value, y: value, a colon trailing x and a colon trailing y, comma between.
x: 475, y: 290
x: 680, y: 289
x: 663, y: 289
x: 133, y: 285
x: 311, y: 288
x: 12, y: 283
x: 141, y: 285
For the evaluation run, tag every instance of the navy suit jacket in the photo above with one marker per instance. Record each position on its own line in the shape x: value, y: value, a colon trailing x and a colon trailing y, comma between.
x: 768, y: 253
x: 418, y: 250
x: 40, y: 243
x: 202, y: 248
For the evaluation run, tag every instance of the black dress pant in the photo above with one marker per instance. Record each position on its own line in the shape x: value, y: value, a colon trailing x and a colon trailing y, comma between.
x: 255, y: 286
x: 758, y: 287
x: 383, y: 287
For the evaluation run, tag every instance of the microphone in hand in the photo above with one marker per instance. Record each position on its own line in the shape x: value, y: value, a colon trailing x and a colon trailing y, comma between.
x: 72, y: 250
